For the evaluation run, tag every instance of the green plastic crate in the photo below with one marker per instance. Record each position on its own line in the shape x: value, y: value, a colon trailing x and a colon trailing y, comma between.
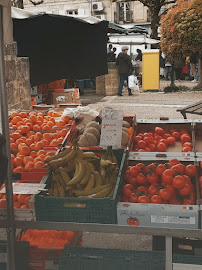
x: 100, y: 210
x: 82, y: 258
x: 22, y: 255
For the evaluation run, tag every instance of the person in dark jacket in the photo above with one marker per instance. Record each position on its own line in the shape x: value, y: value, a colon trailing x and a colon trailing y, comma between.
x: 124, y: 64
x: 139, y: 55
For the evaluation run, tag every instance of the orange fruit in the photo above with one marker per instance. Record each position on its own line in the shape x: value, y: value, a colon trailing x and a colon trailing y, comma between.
x: 36, y: 127
x: 13, y: 146
x: 38, y: 145
x: 26, y: 200
x: 25, y: 150
x: 55, y: 136
x: 63, y: 132
x: 46, y: 127
x: 50, y: 123
x: 29, y: 166
x: 30, y: 134
x: 52, y: 119
x: 36, y: 160
x: 45, y: 142
x: 3, y: 203
x: 15, y: 136
x: 17, y: 161
x: 20, y: 145
x: 25, y: 129
x: 39, y: 164
x: 66, y: 119
x: 20, y: 156
x: 16, y: 205
x: 29, y: 141
x: 42, y: 157
x: 21, y: 198
x: 33, y: 118
x: 16, y: 119
x: 33, y: 153
x: 50, y: 113
x: 47, y: 136
x: 54, y: 142
x: 41, y: 152
x: 38, y: 136
x: 24, y: 206
x: 39, y: 123
x: 60, y: 140
x: 29, y: 125
x: 23, y: 114
x: 60, y: 123
x: 18, y: 141
x: 13, y: 114
x: 27, y: 159
x: 18, y: 169
x: 32, y: 146
x: 40, y: 118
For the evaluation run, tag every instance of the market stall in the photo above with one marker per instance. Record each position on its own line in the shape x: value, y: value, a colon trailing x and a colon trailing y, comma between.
x: 100, y: 171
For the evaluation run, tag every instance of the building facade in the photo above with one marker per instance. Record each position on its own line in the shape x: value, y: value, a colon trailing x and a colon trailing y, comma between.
x: 119, y: 12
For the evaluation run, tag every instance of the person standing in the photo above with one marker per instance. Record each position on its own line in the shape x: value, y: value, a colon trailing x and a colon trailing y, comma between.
x: 168, y: 66
x: 193, y: 62
x: 139, y: 55
x: 109, y: 49
x: 124, y: 64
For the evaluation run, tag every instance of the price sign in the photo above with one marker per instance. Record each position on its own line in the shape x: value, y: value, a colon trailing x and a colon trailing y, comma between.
x: 25, y: 188
x: 111, y: 132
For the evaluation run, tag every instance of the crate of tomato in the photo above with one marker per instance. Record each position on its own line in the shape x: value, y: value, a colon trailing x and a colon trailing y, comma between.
x: 164, y: 135
x: 160, y: 191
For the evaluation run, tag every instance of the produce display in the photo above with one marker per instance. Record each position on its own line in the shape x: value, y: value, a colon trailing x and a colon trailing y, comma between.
x: 47, y: 239
x: 32, y: 132
x: 90, y: 135
x: 170, y: 183
x: 159, y: 139
x: 82, y: 174
x: 19, y: 200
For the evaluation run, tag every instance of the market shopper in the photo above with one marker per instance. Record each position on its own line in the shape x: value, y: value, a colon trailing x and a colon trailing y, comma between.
x: 125, y: 67
x: 193, y: 62
x: 139, y: 55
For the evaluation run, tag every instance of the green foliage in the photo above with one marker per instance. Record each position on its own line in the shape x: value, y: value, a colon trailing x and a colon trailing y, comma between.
x: 181, y: 32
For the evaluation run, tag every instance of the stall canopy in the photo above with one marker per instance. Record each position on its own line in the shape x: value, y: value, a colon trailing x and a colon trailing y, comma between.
x: 132, y: 39
x: 61, y: 47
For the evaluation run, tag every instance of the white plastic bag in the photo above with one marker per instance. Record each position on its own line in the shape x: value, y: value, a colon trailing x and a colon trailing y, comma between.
x: 133, y: 83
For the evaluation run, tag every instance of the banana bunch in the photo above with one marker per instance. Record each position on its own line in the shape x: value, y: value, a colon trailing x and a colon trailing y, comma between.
x: 109, y: 166
x: 76, y: 174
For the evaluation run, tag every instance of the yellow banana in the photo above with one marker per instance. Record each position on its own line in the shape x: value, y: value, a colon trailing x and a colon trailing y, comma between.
x: 87, y: 174
x: 103, y: 193
x: 91, y: 182
x: 91, y: 191
x: 98, y: 179
x: 78, y: 177
x: 65, y: 177
x: 90, y: 155
x: 60, y: 155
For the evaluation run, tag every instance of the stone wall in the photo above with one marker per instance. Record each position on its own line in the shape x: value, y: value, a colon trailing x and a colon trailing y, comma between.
x: 108, y: 84
x: 17, y: 79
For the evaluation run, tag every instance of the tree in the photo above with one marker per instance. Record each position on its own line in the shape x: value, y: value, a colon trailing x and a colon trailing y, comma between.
x: 181, y: 33
x: 154, y: 7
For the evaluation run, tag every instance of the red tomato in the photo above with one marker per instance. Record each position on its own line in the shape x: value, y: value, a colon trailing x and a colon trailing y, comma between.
x: 173, y: 161
x: 165, y: 194
x: 161, y: 147
x: 156, y: 199
x: 141, y: 167
x: 137, y: 138
x: 141, y: 179
x: 157, y: 138
x: 178, y: 181
x: 171, y: 140
x: 152, y: 147
x: 133, y: 170
x: 132, y: 221
x: 148, y: 139
x: 176, y: 135
x: 160, y: 169
x: 164, y: 141
x: 187, y: 144
x: 151, y: 167
x: 185, y: 138
x: 153, y: 178
x: 167, y: 176
x: 185, y: 191
x: 186, y: 149
x: 152, y: 190
x: 171, y: 189
x: 190, y: 170
x: 166, y: 136
x: 159, y: 130
x: 141, y: 144
x: 178, y: 169
x: 187, y: 179
x: 128, y: 190
x: 142, y: 189
x: 132, y: 180
x: 144, y: 199
x: 133, y: 198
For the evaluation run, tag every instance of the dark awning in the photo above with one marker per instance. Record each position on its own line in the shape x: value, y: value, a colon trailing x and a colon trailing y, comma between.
x: 61, y: 47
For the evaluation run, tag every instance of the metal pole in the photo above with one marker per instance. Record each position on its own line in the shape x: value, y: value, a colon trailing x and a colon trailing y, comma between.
x: 169, y: 257
x: 5, y: 131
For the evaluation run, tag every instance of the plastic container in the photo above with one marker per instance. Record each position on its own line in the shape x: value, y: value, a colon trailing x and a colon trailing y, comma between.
x: 100, y: 210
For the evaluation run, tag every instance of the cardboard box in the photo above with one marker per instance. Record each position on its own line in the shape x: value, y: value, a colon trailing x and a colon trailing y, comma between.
x: 148, y: 125
x: 62, y: 97
x: 159, y: 215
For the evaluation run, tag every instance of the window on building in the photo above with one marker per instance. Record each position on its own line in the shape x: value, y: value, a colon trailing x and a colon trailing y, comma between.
x: 72, y: 12
x: 124, y: 12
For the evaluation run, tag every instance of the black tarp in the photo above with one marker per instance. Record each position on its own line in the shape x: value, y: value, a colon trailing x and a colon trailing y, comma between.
x: 61, y: 47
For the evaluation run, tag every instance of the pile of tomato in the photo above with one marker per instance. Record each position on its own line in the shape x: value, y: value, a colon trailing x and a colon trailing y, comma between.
x: 159, y: 139
x: 170, y: 183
